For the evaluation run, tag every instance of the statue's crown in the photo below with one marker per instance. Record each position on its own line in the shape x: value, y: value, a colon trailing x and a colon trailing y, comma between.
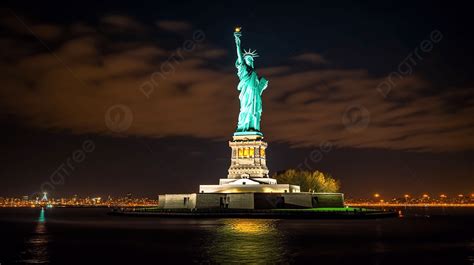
x: 251, y: 53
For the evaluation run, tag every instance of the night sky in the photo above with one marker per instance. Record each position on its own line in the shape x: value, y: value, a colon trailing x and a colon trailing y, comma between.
x: 143, y: 99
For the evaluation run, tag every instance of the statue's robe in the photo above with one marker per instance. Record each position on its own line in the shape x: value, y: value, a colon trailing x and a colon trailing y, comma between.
x: 251, y: 89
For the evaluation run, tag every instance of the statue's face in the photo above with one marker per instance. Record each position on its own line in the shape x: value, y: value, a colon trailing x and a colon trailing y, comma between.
x: 249, y: 60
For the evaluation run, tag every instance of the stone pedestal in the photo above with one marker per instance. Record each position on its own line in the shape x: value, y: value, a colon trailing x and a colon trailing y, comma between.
x: 248, y: 170
x: 248, y: 156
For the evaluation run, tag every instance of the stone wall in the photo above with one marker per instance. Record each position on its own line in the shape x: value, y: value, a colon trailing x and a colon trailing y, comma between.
x: 161, y: 201
x: 268, y: 200
x: 251, y: 200
x: 297, y: 200
x: 208, y: 200
x: 241, y: 200
x: 179, y: 201
x: 324, y: 200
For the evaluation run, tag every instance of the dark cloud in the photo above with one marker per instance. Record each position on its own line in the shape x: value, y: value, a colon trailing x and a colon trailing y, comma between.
x: 25, y: 27
x: 313, y: 58
x: 121, y: 23
x: 174, y: 25
x: 179, y: 93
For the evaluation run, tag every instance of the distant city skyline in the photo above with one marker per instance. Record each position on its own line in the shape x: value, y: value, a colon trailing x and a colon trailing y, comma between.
x: 377, y: 200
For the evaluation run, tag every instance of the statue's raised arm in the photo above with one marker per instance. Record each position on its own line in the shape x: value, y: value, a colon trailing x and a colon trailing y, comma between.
x: 237, y: 35
x: 250, y: 87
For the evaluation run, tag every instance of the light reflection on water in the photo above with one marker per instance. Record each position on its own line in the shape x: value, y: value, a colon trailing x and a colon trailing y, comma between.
x: 471, y: 257
x: 256, y: 241
x: 36, y: 247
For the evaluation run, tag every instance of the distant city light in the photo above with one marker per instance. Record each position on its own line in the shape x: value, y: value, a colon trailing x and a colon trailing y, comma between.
x: 441, y: 200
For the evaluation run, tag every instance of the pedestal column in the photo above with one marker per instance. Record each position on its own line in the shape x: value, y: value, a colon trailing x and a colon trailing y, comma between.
x: 248, y: 157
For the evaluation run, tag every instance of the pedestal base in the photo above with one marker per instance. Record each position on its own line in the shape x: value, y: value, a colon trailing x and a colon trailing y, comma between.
x: 251, y: 200
x: 248, y: 156
x: 262, y: 188
x: 263, y: 185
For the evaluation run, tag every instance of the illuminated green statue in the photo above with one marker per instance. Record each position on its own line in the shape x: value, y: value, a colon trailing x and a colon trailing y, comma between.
x: 250, y: 87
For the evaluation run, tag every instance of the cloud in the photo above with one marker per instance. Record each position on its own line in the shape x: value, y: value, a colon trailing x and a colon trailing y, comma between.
x: 313, y: 58
x: 173, y: 25
x: 24, y: 26
x: 120, y: 23
x: 213, y: 53
x: 189, y: 96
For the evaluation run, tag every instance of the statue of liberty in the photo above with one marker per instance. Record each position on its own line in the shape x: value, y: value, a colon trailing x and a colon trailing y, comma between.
x: 250, y: 87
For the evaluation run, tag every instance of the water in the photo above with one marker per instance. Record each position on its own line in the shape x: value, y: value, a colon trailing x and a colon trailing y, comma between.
x: 89, y: 236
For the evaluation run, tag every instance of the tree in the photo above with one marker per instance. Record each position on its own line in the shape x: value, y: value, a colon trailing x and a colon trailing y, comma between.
x: 311, y: 181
